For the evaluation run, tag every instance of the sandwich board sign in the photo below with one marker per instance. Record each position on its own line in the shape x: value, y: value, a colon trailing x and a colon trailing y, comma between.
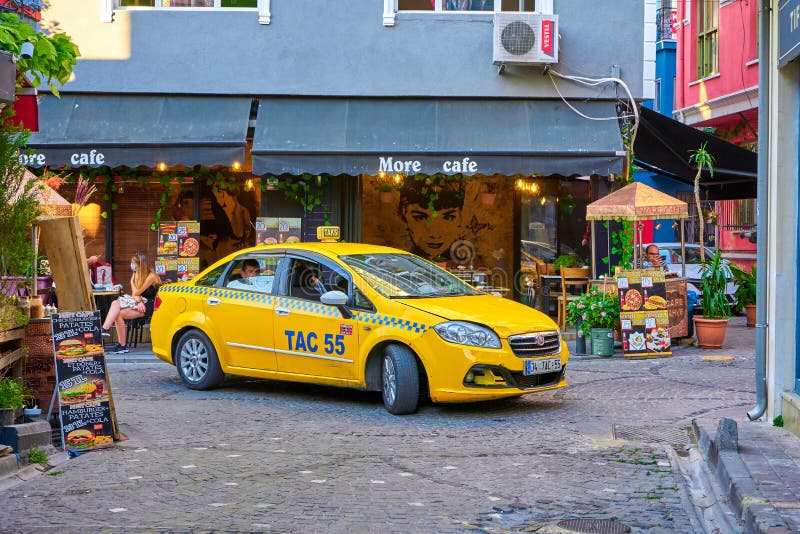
x: 84, y: 393
x: 644, y: 318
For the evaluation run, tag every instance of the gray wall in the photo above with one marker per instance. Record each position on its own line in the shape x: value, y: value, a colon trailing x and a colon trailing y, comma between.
x: 339, y: 48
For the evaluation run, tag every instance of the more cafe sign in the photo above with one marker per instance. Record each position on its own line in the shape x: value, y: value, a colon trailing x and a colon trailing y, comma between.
x: 389, y: 164
x: 91, y: 158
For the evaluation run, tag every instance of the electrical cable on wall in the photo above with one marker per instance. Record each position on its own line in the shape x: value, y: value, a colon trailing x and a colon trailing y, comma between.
x: 593, y: 82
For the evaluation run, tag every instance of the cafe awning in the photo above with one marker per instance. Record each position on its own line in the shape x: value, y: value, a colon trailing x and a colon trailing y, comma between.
x: 412, y: 136
x: 139, y: 131
x: 664, y: 146
x: 637, y: 202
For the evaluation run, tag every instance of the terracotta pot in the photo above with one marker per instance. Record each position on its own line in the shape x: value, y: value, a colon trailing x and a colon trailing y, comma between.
x: 488, y: 198
x: 710, y: 332
x: 387, y: 197
x: 750, y: 312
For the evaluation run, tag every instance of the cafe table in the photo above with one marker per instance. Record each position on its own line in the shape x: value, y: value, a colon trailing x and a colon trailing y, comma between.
x: 103, y: 300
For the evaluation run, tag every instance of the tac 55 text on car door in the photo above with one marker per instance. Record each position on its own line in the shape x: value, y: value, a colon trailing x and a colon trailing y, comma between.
x: 358, y: 316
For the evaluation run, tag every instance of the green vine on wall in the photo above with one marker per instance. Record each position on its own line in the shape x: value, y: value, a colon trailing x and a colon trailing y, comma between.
x: 306, y: 189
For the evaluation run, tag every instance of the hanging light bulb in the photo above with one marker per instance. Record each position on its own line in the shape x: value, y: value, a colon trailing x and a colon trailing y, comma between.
x: 398, y: 179
x: 543, y: 201
x: 236, y: 165
x: 162, y: 166
x: 248, y: 185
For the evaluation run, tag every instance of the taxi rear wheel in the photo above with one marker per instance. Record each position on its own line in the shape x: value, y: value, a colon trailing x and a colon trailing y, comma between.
x: 197, y: 362
x: 400, y: 380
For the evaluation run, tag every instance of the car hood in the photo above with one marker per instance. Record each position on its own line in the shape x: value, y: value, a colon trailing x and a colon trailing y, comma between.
x: 502, y: 315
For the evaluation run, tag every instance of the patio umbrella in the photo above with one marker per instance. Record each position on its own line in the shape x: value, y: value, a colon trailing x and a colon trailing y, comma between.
x: 637, y: 202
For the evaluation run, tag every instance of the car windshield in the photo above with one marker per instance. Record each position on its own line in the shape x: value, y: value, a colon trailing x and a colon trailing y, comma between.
x: 406, y: 276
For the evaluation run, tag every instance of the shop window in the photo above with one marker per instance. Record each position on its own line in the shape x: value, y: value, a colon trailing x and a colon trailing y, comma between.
x: 466, y: 5
x: 187, y: 3
x: 707, y: 38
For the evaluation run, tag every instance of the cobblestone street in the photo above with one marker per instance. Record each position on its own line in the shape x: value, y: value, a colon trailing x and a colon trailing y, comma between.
x: 257, y: 455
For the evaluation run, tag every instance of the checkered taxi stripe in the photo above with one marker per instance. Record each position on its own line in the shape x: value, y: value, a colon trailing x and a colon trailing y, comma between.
x: 314, y: 308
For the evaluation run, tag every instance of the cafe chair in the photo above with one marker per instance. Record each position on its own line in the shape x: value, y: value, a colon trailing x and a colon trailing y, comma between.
x: 134, y: 328
x: 574, y: 282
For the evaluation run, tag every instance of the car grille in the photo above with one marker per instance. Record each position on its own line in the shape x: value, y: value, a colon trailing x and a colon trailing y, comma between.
x: 536, y: 381
x: 536, y: 344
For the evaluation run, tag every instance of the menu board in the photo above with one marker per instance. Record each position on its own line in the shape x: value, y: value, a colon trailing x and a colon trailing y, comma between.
x: 644, y: 318
x: 178, y: 253
x: 274, y: 230
x: 84, y: 394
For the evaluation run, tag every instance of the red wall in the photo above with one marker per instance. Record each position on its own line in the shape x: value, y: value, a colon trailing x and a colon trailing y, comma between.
x: 737, y: 47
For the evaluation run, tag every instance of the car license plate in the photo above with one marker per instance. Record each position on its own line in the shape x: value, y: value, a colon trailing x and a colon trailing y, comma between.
x: 537, y: 367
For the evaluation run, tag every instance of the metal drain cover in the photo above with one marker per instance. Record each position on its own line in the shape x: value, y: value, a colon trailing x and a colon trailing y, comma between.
x: 594, y: 526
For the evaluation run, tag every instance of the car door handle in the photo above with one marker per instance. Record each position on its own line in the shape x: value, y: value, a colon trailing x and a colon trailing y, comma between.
x: 282, y: 311
x: 212, y: 301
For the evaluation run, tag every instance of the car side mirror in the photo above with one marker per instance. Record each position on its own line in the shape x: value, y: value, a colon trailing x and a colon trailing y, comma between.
x: 338, y: 299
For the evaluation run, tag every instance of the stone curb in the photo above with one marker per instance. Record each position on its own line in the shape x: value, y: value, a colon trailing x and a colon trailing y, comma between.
x: 133, y: 358
x: 757, y: 514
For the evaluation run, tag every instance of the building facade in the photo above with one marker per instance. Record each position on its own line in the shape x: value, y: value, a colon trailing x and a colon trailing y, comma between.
x: 312, y: 110
x: 716, y: 89
x: 783, y: 236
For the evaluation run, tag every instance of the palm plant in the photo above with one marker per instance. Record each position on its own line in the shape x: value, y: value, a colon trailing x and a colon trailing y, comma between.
x: 701, y: 159
x: 714, y: 281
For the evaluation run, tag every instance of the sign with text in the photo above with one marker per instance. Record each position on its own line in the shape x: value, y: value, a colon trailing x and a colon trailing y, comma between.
x: 275, y: 230
x: 644, y: 318
x: 178, y: 253
x: 84, y: 394
x: 788, y: 31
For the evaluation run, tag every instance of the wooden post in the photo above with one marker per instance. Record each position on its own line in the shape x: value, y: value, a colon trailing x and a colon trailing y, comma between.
x: 62, y: 239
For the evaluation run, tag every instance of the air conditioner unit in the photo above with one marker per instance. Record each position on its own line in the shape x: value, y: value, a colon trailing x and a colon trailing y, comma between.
x: 525, y: 38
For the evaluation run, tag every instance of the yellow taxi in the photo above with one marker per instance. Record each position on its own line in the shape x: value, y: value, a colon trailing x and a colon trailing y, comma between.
x: 354, y: 315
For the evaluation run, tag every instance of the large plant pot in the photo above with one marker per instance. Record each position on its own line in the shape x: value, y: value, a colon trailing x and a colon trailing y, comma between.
x: 7, y: 416
x: 750, y: 312
x: 710, y: 332
x: 603, y: 342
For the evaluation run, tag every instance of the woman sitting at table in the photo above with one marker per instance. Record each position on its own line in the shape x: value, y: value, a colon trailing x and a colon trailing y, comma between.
x: 144, y: 286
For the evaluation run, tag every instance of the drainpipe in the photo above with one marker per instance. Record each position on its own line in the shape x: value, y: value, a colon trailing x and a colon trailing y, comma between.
x: 762, y: 222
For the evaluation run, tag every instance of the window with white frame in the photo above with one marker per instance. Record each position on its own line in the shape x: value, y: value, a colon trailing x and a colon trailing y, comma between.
x: 466, y: 5
x: 657, y: 99
x: 707, y: 38
x: 187, y: 3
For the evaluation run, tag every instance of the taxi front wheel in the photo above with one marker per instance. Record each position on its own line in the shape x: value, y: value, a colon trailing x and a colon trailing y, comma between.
x: 400, y: 380
x: 197, y: 362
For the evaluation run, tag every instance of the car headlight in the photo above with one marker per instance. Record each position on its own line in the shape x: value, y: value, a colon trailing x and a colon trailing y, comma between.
x: 463, y: 333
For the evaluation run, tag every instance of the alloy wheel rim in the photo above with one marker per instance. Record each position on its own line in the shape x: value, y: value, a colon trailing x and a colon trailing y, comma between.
x: 194, y: 360
x: 389, y: 381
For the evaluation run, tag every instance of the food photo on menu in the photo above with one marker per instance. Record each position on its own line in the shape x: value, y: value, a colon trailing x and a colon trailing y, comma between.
x: 78, y: 347
x: 83, y: 438
x: 93, y: 390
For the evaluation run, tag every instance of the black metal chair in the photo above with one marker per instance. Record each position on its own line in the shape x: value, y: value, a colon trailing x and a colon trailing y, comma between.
x: 135, y: 327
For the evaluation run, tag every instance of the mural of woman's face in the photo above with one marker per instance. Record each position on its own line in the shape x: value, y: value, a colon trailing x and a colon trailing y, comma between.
x: 433, y: 235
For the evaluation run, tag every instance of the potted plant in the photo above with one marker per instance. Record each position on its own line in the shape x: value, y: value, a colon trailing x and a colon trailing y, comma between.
x: 385, y: 191
x: 711, y: 327
x: 566, y: 260
x: 12, y: 398
x: 597, y: 314
x: 746, y: 292
x: 490, y: 195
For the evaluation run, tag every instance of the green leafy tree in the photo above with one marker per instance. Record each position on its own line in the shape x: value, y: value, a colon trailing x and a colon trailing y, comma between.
x: 53, y: 56
x: 701, y: 159
x: 18, y: 204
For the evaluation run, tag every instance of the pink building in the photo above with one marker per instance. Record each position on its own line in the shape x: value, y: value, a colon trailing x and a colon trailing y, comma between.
x: 716, y: 88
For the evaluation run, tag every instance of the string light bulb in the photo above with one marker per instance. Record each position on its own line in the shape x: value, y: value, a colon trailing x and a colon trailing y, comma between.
x: 248, y: 185
x: 236, y: 165
x: 162, y: 166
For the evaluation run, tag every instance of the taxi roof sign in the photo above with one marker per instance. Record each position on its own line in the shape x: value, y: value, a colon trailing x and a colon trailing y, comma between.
x: 328, y: 234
